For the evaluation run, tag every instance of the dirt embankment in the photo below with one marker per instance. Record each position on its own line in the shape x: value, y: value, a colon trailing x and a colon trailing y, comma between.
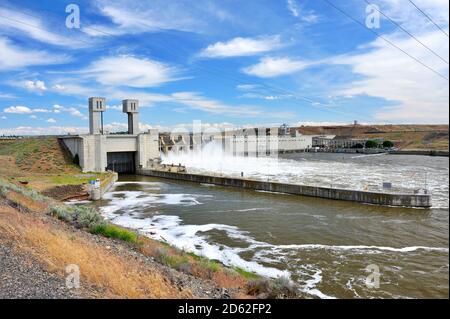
x: 67, y: 192
x: 45, y: 165
x: 420, y: 137
x: 37, y: 248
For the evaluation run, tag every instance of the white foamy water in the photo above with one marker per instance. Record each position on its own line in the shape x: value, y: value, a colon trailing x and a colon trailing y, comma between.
x: 142, y: 206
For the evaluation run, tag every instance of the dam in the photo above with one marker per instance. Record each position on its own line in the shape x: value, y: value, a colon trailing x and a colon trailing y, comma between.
x: 139, y: 153
x: 99, y: 151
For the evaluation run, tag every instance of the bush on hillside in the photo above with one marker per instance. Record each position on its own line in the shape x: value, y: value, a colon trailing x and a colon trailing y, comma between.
x: 371, y: 144
x: 388, y: 144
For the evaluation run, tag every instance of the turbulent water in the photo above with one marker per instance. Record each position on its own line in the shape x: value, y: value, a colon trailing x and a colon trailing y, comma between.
x: 323, y: 245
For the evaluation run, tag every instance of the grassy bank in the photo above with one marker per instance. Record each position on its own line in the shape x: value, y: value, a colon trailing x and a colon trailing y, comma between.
x: 87, y: 219
x: 42, y: 163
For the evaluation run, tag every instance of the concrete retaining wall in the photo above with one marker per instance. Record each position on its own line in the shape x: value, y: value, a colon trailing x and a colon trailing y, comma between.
x: 96, y: 194
x: 385, y: 199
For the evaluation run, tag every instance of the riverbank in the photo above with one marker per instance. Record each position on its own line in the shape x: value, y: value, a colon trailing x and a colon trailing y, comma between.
x: 114, y: 262
x: 37, y: 176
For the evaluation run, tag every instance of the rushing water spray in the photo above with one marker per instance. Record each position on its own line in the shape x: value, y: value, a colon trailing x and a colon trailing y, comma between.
x: 211, y: 158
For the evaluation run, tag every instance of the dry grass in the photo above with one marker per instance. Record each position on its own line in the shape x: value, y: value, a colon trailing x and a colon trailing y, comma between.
x: 27, y: 202
x: 57, y: 247
x: 118, y: 276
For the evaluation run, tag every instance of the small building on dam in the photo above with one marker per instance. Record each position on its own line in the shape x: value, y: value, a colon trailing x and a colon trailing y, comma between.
x: 122, y: 153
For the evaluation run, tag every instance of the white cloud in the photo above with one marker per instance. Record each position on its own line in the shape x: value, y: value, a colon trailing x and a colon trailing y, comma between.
x: 51, y: 120
x: 41, y: 110
x: 71, y: 110
x: 58, y: 87
x: 271, y: 67
x: 420, y: 95
x: 3, y: 117
x: 34, y: 117
x: 117, y: 107
x: 293, y: 7
x: 296, y: 11
x: 130, y: 71
x: 50, y: 130
x: 13, y: 57
x: 193, y: 100
x: 412, y: 20
x: 36, y: 86
x: 247, y: 87
x: 153, y: 15
x: 242, y: 47
x: 15, y: 22
x: 18, y: 110
x: 255, y: 91
x: 196, y: 101
x: 6, y: 96
x: 24, y: 110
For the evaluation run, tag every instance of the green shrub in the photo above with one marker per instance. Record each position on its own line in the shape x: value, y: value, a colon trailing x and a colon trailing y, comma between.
x: 388, y: 144
x: 210, y: 265
x: 178, y: 262
x: 278, y: 288
x: 371, y: 144
x: 62, y: 212
x: 79, y: 216
x: 87, y: 217
x: 22, y: 190
x: 112, y: 231
x: 246, y: 274
x: 3, y: 190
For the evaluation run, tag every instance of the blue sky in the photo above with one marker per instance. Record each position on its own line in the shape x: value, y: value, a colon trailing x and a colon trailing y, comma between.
x: 256, y: 62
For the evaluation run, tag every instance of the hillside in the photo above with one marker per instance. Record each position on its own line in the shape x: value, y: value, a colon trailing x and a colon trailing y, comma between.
x: 43, y: 154
x: 419, y: 137
x: 45, y: 165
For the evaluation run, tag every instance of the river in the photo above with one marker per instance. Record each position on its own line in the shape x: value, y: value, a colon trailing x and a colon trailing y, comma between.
x: 328, y: 247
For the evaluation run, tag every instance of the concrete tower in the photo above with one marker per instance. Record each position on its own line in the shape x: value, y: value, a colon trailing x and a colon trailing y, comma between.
x: 97, y: 105
x: 131, y: 107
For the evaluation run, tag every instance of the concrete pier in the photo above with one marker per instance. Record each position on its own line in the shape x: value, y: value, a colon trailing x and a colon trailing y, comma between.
x: 376, y: 198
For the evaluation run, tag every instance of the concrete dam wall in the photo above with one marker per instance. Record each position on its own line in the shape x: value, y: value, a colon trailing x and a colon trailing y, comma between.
x: 384, y: 199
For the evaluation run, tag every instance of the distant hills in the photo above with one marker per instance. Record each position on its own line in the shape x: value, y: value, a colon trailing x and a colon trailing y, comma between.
x: 407, y: 137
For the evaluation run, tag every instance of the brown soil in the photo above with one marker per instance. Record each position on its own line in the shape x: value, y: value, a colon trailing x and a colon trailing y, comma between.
x: 67, y: 192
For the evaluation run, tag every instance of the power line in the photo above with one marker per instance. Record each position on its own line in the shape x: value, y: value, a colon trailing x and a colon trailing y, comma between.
x: 429, y: 18
x: 386, y: 40
x: 409, y: 33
